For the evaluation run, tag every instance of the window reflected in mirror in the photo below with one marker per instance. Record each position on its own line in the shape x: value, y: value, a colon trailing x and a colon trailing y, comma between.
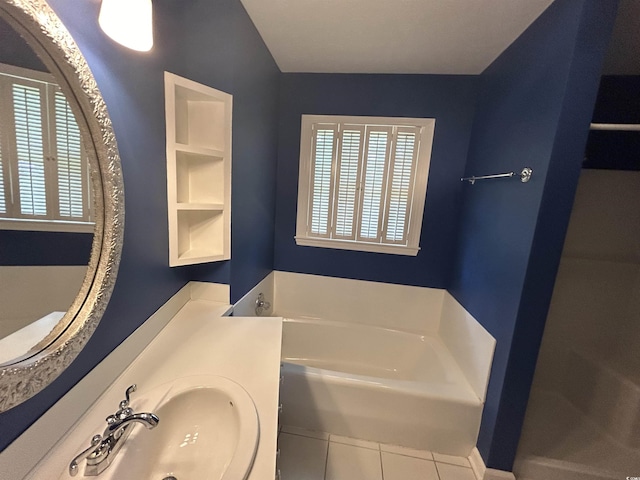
x: 46, y: 217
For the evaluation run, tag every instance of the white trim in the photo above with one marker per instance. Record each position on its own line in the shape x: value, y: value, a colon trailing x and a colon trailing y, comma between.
x: 426, y: 127
x: 493, y: 474
x: 27, y: 74
x: 46, y: 225
x: 361, y: 246
x: 198, y: 148
x: 482, y: 472
x: 477, y: 463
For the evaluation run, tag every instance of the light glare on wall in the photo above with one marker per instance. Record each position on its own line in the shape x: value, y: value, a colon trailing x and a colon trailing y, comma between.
x: 128, y: 22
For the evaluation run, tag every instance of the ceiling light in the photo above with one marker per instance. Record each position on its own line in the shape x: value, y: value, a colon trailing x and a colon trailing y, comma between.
x: 128, y: 22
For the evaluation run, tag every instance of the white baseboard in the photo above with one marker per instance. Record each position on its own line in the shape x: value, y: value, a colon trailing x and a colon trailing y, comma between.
x: 477, y: 464
x: 483, y: 473
x: 493, y: 474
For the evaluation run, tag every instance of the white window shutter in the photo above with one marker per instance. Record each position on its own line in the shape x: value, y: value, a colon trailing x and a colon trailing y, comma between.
x: 351, y: 143
x: 400, y: 190
x: 27, y: 105
x: 362, y: 182
x: 324, y: 143
x: 374, y: 182
x: 69, y: 160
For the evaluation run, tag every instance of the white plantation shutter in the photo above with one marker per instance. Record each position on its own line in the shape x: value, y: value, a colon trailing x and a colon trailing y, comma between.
x: 362, y: 186
x: 373, y: 183
x: 29, y: 141
x: 352, y: 139
x: 321, y: 188
x: 71, y: 166
x: 44, y: 174
x: 401, y: 173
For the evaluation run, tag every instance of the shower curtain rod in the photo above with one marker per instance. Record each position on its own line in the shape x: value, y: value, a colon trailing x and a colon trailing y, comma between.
x: 626, y: 127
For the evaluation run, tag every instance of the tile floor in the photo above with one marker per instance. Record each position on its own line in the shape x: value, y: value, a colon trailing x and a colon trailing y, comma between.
x: 307, y: 455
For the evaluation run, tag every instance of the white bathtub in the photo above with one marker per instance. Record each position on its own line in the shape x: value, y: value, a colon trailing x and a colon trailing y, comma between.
x: 377, y: 384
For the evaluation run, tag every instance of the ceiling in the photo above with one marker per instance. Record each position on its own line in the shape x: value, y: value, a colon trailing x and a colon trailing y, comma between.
x: 390, y: 36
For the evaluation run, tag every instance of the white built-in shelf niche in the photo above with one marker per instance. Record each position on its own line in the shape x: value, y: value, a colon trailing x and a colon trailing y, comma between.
x: 198, y: 171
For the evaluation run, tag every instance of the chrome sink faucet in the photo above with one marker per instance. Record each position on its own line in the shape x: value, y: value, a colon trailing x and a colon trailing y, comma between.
x: 104, y: 448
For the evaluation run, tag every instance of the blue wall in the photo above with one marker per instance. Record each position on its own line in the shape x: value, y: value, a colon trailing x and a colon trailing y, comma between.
x: 253, y: 78
x: 15, y: 51
x: 231, y: 57
x: 449, y: 99
x: 19, y: 247
x: 535, y: 107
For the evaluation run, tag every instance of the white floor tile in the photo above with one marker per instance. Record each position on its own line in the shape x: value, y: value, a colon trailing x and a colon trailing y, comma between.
x: 400, y: 467
x: 409, y: 452
x: 346, y: 462
x: 454, y: 472
x: 355, y: 442
x: 301, y: 458
x: 461, y: 461
x: 305, y: 433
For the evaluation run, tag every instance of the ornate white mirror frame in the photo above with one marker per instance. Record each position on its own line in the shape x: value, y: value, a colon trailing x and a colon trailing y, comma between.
x: 21, y: 378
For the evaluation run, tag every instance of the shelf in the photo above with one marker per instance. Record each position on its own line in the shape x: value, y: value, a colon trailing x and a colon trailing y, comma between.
x: 200, y: 234
x: 200, y: 117
x: 200, y: 206
x: 198, y: 171
x: 200, y: 151
x: 199, y: 179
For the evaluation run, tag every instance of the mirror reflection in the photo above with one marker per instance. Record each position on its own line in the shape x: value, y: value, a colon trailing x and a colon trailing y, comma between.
x: 46, y: 224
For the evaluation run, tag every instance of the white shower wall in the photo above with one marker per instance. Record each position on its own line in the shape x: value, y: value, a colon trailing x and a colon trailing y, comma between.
x: 596, y: 303
x: 588, y: 373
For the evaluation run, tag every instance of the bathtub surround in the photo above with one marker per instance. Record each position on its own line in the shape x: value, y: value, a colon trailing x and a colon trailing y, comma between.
x: 426, y: 311
x: 353, y: 348
x: 246, y: 306
x: 398, y: 307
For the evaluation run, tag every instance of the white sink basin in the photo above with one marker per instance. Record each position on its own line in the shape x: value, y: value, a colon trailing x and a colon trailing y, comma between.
x: 208, y: 429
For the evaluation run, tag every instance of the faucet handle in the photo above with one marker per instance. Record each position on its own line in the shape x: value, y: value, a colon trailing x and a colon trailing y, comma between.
x: 125, y: 403
x: 73, y: 466
x: 123, y: 408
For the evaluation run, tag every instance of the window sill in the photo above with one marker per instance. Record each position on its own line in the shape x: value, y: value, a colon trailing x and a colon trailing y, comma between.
x: 46, y: 225
x: 359, y: 246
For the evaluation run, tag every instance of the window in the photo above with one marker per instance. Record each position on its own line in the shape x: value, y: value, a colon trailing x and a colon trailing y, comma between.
x: 44, y: 178
x: 363, y: 182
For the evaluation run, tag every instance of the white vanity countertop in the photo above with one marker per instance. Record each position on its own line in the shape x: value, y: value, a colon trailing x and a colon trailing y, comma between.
x: 197, y: 341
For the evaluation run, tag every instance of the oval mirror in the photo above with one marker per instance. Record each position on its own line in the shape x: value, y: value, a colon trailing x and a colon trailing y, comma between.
x: 61, y: 200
